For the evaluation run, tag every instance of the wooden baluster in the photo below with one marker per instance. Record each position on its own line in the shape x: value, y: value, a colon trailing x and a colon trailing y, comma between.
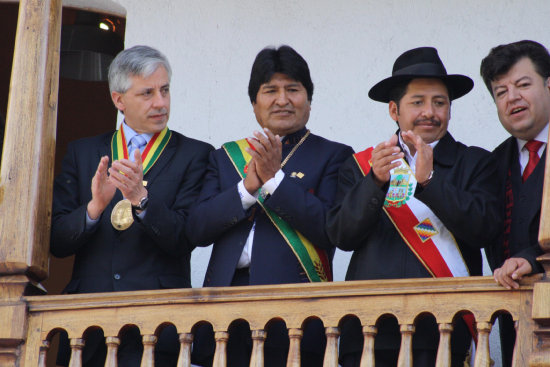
x: 148, y: 358
x: 483, y: 358
x: 367, y: 359
x: 295, y: 336
x: 514, y: 363
x: 43, y: 353
x: 444, y: 349
x: 331, y: 351
x: 258, y: 340
x: 184, y: 359
x: 112, y: 349
x: 76, y: 352
x: 220, y: 356
x: 405, y: 353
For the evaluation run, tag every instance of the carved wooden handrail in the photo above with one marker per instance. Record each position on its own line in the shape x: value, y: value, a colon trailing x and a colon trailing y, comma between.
x: 444, y: 298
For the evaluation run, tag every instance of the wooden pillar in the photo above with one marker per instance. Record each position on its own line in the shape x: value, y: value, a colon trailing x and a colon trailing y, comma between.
x: 295, y: 336
x: 112, y: 343
x: 405, y: 352
x: 369, y: 333
x: 331, y: 351
x: 444, y: 348
x: 27, y: 166
x: 184, y: 359
x: 541, y: 293
x: 258, y: 340
x: 483, y: 358
x: 148, y: 358
x: 77, y: 344
x: 220, y: 355
x: 43, y: 354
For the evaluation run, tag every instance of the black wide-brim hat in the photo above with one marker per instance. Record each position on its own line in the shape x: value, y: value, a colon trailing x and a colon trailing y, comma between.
x: 422, y: 62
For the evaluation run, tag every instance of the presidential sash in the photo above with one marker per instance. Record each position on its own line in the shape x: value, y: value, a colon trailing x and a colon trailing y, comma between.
x: 151, y: 153
x: 314, y: 261
x: 418, y: 226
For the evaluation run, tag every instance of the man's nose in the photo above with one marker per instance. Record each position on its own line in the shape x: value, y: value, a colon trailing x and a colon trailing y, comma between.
x: 159, y: 100
x: 513, y: 94
x: 428, y: 110
x: 282, y: 98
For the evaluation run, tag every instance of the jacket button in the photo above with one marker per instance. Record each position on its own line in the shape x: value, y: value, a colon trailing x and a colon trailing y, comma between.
x: 117, y: 276
x: 374, y: 201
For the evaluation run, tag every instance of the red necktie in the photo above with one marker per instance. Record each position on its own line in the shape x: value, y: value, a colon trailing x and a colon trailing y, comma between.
x: 533, y: 147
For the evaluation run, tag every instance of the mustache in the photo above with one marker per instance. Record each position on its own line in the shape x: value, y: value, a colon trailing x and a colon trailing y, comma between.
x: 432, y: 121
x: 161, y: 111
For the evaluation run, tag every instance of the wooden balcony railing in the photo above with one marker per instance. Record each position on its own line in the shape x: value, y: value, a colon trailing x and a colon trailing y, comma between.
x: 406, y: 300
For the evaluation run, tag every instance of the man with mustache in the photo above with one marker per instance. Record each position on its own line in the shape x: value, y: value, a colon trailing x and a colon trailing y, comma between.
x: 417, y: 205
x: 263, y: 206
x: 125, y: 223
x: 518, y: 77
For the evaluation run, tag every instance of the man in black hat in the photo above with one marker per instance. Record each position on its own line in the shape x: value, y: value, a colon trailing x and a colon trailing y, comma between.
x: 417, y: 205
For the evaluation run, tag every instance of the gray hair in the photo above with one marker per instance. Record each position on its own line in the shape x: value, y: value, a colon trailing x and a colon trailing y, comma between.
x: 139, y: 61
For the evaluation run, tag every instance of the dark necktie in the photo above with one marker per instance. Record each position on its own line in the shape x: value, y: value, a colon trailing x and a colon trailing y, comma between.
x: 533, y: 147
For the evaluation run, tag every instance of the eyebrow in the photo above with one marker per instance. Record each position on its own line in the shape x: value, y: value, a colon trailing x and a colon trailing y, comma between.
x: 266, y: 85
x: 525, y: 77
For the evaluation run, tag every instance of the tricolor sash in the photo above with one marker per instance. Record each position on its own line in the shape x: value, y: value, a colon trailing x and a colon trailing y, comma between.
x: 314, y: 261
x: 418, y: 226
x: 150, y: 154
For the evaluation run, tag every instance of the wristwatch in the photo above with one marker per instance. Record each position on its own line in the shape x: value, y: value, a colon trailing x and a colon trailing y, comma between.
x: 142, y: 205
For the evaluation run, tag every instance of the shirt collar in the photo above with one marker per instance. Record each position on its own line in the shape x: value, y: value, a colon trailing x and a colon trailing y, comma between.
x: 295, y: 137
x: 129, y: 133
x: 542, y: 136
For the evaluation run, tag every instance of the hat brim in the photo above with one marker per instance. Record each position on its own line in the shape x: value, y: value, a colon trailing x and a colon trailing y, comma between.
x: 458, y: 85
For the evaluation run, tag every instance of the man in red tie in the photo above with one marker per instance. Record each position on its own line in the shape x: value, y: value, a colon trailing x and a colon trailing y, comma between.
x: 518, y: 78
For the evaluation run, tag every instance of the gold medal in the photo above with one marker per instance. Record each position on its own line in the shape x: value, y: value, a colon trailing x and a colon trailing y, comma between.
x: 121, y: 216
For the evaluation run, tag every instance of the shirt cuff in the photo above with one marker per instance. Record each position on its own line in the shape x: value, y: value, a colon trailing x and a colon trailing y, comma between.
x: 271, y: 185
x: 247, y: 200
x: 90, y: 223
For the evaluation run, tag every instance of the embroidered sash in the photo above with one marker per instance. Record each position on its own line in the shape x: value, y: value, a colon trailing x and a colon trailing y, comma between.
x: 419, y: 227
x: 314, y: 261
x: 150, y: 154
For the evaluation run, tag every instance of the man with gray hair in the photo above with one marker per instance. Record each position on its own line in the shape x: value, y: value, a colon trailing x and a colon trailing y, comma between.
x: 125, y: 223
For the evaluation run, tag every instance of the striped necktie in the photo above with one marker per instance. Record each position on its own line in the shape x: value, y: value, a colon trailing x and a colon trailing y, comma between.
x: 137, y: 142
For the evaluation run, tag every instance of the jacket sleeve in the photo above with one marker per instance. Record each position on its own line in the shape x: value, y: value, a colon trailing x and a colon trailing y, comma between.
x: 165, y: 224
x: 68, y: 231
x: 358, y: 208
x: 466, y: 200
x: 217, y: 209
x: 305, y: 211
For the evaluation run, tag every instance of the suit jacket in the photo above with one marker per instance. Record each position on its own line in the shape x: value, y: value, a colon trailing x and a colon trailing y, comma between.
x: 154, y: 252
x: 527, y: 199
x: 460, y: 194
x: 219, y: 217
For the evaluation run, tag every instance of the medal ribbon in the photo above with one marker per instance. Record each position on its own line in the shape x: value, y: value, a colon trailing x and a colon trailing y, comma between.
x: 150, y: 154
x: 314, y: 261
x: 439, y: 254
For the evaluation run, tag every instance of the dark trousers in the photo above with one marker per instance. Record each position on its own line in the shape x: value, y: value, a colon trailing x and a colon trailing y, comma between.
x: 239, y: 345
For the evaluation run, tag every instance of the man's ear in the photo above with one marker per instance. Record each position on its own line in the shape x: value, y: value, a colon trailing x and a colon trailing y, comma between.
x: 394, y: 110
x: 117, y: 100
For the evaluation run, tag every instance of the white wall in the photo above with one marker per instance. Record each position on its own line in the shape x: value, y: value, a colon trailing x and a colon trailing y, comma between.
x: 349, y: 45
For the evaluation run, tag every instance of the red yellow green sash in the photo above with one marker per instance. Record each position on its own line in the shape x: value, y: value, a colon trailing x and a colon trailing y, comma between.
x: 315, y: 261
x: 150, y: 154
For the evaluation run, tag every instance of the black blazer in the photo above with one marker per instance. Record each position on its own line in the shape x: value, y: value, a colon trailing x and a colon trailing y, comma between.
x: 461, y: 194
x: 151, y: 254
x: 524, y: 230
x: 219, y: 217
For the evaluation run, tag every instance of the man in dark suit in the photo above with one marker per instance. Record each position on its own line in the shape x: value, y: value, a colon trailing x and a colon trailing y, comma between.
x: 125, y: 223
x: 518, y: 78
x: 264, y: 200
x: 417, y: 205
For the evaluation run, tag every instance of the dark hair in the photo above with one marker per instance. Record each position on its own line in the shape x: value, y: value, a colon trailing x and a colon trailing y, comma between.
x: 284, y: 60
x: 501, y: 59
x: 399, y: 91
